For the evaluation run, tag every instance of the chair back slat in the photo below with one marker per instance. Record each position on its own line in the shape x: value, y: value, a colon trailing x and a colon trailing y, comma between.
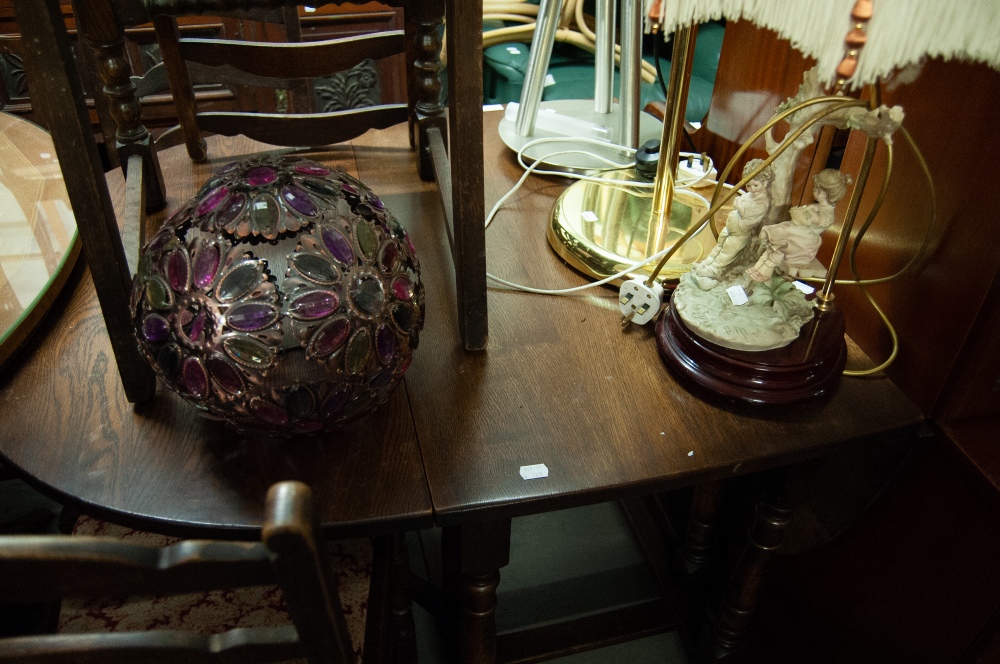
x: 241, y: 645
x: 302, y: 130
x: 41, y: 568
x: 306, y: 59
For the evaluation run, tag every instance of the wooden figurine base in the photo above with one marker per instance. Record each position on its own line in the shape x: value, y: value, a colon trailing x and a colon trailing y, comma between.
x: 809, y: 367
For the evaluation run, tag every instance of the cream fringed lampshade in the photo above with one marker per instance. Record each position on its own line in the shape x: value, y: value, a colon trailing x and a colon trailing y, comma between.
x: 900, y: 32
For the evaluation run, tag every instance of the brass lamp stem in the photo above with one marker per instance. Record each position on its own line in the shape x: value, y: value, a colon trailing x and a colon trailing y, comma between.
x: 824, y: 298
x: 673, y: 116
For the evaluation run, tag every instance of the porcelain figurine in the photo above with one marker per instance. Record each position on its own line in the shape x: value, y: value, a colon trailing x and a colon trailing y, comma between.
x: 741, y: 224
x: 790, y: 247
x: 722, y: 303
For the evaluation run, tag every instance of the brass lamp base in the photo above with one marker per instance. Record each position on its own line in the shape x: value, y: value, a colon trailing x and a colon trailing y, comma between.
x: 602, y: 228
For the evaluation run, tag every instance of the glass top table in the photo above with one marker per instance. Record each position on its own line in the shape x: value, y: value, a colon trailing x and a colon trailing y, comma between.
x: 38, y: 239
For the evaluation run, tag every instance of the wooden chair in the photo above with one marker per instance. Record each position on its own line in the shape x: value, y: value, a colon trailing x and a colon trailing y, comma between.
x: 37, y: 568
x: 101, y: 24
x: 288, y: 66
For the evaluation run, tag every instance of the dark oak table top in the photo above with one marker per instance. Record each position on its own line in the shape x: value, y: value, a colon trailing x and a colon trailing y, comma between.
x: 65, y: 422
x: 562, y: 385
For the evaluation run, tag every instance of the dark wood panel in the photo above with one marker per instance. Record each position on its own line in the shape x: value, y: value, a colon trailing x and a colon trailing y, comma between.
x: 934, y: 308
x: 757, y: 72
x: 915, y: 579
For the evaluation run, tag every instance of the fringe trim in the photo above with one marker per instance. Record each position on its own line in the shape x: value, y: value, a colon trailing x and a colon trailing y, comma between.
x: 900, y: 33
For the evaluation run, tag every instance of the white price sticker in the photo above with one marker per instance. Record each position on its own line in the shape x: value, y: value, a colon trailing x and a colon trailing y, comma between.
x: 737, y: 295
x: 589, y: 216
x: 549, y: 80
x: 805, y: 288
x: 535, y: 471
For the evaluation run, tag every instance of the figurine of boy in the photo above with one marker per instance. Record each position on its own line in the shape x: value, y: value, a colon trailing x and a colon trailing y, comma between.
x: 750, y: 208
x: 791, y: 246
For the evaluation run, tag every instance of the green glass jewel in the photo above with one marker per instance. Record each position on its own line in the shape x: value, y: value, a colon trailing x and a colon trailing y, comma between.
x: 247, y: 351
x: 321, y: 187
x: 359, y: 348
x: 367, y: 238
x: 238, y: 282
x: 265, y: 213
x: 300, y: 402
x: 315, y: 268
x: 158, y: 293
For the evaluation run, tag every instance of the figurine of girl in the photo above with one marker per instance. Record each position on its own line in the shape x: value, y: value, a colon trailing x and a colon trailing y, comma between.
x: 750, y: 208
x: 791, y: 246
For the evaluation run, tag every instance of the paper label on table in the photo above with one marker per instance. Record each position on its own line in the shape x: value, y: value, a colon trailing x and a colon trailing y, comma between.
x: 737, y: 295
x: 549, y: 80
x: 805, y: 288
x: 535, y: 471
x: 589, y: 216
x: 513, y: 50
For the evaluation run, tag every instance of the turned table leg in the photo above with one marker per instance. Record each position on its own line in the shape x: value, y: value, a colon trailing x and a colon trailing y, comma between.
x: 473, y: 555
x: 702, y: 524
x: 784, y: 490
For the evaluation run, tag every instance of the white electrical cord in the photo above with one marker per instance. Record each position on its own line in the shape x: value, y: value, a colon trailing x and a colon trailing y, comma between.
x: 535, y: 168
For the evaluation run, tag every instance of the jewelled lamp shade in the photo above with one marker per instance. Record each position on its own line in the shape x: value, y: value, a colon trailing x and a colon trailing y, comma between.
x: 283, y: 297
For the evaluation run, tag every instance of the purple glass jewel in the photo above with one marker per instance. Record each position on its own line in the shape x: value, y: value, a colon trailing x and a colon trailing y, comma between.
x: 229, y: 168
x: 349, y: 189
x: 409, y: 244
x: 232, y: 210
x: 269, y: 412
x: 224, y: 375
x: 212, y: 200
x: 338, y: 245
x: 155, y: 329
x: 312, y: 169
x: 299, y: 200
x: 194, y: 377
x: 251, y: 316
x: 404, y: 365
x: 376, y: 202
x: 402, y: 288
x: 329, y: 338
x: 313, y: 305
x: 385, y: 344
x: 178, y: 270
x: 335, y: 403
x: 389, y: 258
x: 197, y: 333
x: 206, y: 263
x: 261, y: 176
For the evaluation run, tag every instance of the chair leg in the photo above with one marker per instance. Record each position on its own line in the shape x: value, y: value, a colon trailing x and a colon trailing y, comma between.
x: 404, y: 633
x: 105, y: 36
x: 423, y: 23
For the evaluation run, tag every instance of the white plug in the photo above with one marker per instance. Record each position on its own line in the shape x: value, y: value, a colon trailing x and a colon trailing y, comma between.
x: 639, y: 302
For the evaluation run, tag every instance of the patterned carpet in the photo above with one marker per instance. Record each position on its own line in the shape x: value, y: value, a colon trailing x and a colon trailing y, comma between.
x: 220, y: 610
